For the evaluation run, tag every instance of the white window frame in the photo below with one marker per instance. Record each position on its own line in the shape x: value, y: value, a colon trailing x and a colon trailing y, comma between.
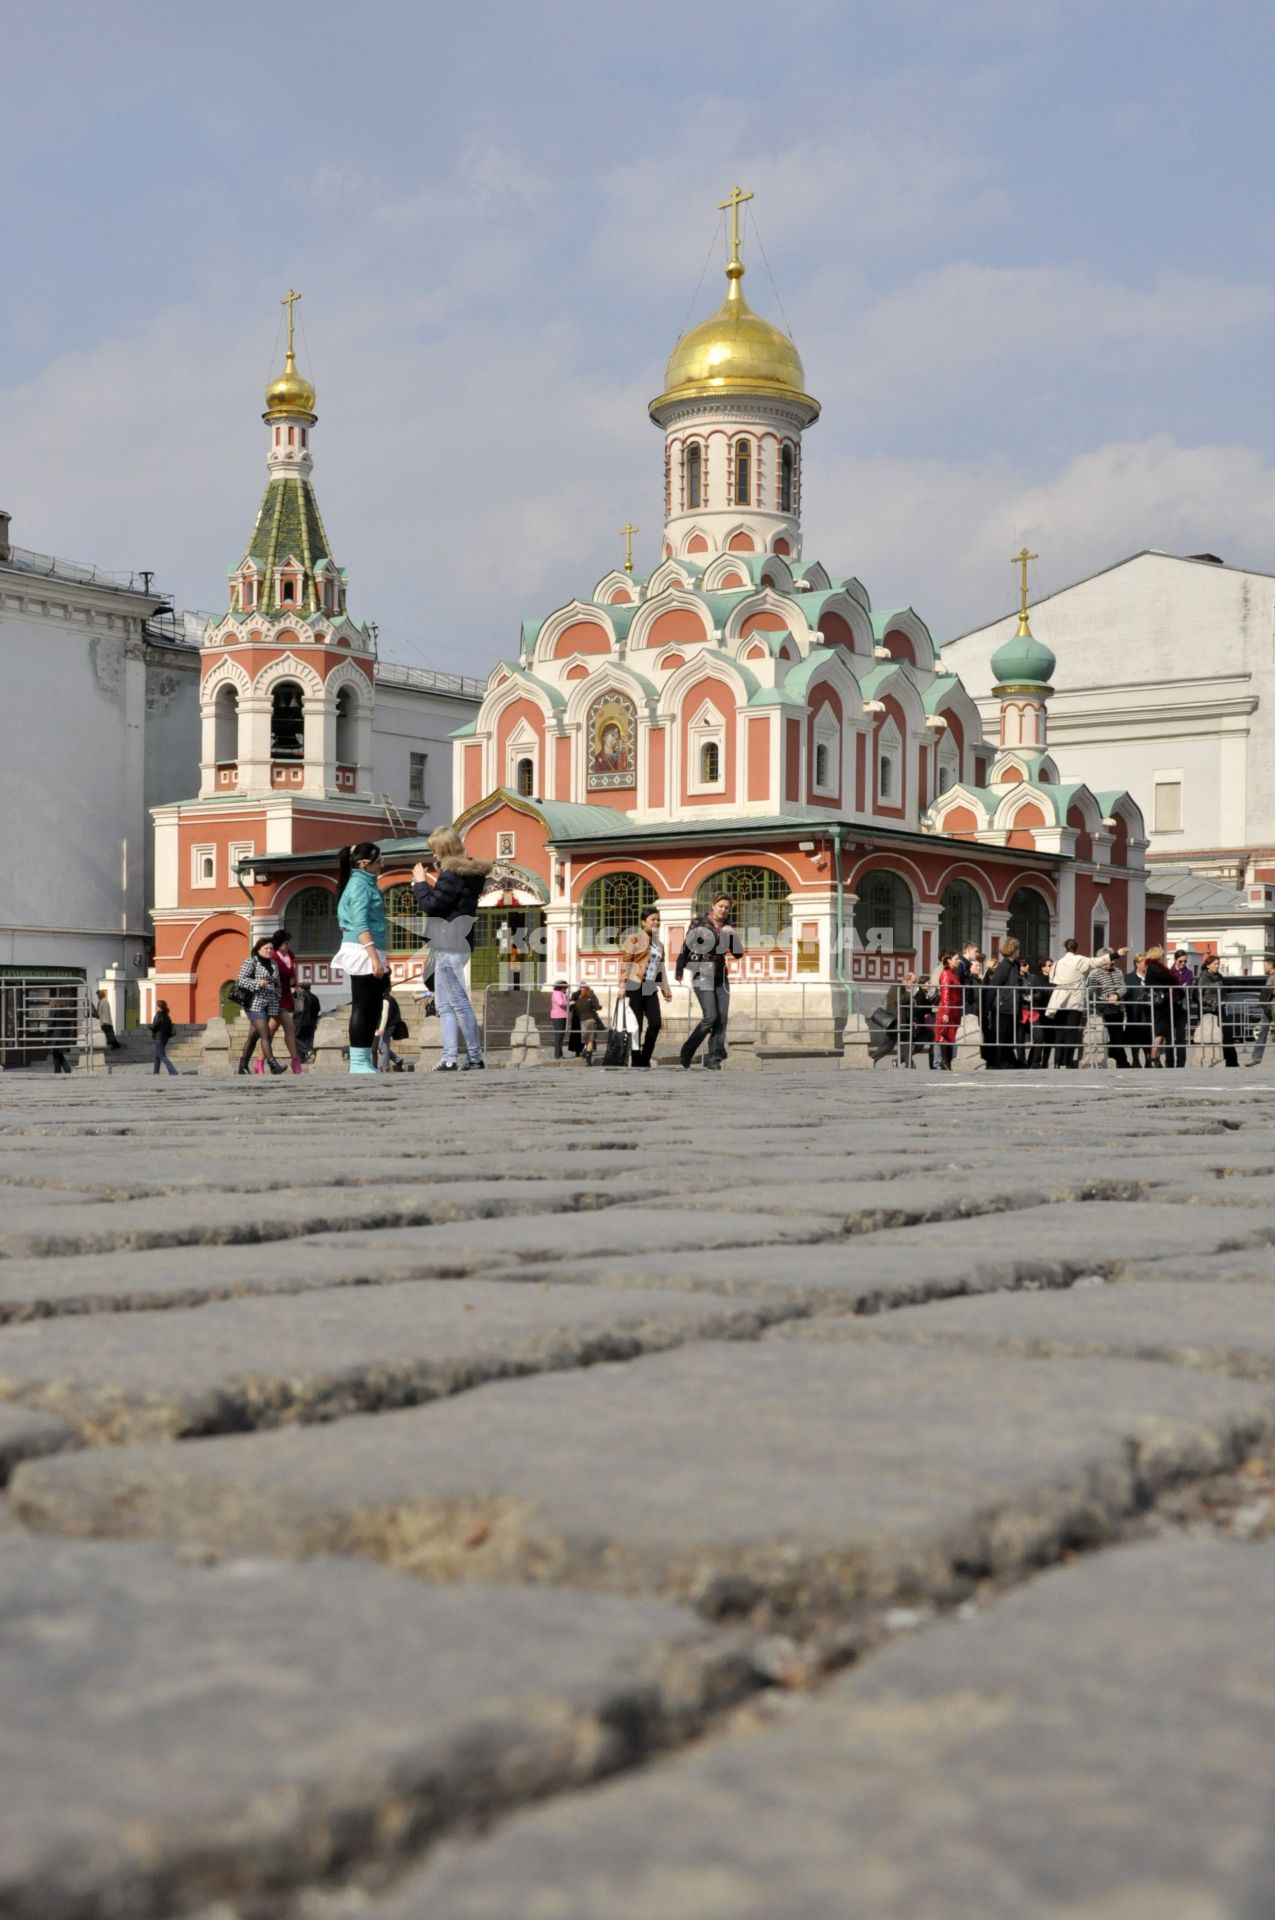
x: 1167, y: 778
x: 197, y: 857
x: 707, y: 729
x: 889, y: 754
x: 947, y: 761
x: 242, y: 850
x: 522, y: 745
x: 415, y: 799
x: 827, y: 734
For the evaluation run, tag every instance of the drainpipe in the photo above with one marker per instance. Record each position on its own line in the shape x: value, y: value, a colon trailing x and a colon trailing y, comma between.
x: 839, y: 947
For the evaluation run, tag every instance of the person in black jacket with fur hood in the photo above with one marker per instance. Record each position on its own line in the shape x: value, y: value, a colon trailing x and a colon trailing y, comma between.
x: 447, y: 892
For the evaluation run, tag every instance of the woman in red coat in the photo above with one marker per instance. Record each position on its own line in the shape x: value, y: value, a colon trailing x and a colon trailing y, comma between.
x: 947, y: 1020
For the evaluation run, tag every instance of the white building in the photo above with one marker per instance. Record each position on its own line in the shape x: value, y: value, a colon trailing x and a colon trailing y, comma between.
x: 1165, y: 685
x: 99, y: 722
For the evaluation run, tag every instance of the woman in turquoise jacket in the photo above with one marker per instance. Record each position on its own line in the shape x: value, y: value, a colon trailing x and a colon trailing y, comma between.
x: 362, y: 955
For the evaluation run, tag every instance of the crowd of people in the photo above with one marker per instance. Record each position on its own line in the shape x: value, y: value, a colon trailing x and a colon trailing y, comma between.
x: 1036, y: 1013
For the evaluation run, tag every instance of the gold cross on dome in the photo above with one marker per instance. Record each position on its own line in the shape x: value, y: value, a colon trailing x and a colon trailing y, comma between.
x: 289, y: 301
x: 1021, y: 559
x: 626, y: 534
x: 733, y: 203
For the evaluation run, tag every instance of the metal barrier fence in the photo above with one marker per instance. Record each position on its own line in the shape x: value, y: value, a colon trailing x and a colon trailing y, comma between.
x: 804, y: 1017
x: 1216, y: 1022
x: 46, y: 1020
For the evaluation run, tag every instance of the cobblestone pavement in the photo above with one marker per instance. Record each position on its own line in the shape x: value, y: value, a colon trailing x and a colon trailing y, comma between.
x: 792, y: 1495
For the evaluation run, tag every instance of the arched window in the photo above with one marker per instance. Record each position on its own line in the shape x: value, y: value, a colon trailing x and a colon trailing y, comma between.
x: 313, y: 915
x: 760, y: 903
x: 743, y: 473
x: 1029, y: 922
x: 785, y: 480
x: 612, y: 907
x: 287, y: 722
x: 226, y: 727
x: 694, y: 475
x: 822, y: 763
x: 404, y: 919
x: 525, y: 778
x: 710, y: 764
x: 885, y: 784
x: 883, y: 913
x: 1099, y: 931
x: 960, y: 917
x: 347, y: 727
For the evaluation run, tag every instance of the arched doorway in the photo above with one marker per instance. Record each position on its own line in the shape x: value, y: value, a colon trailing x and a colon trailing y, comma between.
x: 1029, y: 922
x: 960, y: 917
x: 509, y: 934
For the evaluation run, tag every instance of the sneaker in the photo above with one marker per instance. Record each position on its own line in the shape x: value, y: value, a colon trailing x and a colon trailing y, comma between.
x: 474, y: 1066
x: 445, y: 1066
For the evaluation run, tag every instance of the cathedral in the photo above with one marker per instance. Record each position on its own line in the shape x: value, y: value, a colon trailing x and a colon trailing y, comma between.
x: 739, y: 719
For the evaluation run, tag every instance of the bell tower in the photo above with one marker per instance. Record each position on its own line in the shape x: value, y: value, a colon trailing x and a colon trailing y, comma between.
x: 733, y: 410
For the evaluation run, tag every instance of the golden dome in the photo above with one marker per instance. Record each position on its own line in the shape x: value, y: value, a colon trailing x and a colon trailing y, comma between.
x: 291, y: 392
x: 735, y: 351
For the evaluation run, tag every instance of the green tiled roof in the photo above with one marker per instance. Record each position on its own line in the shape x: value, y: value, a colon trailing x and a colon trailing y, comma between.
x: 289, y: 526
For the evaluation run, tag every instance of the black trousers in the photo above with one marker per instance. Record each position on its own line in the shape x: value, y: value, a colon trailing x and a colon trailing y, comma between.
x: 648, y: 1017
x: 367, y: 990
x: 1069, y: 1032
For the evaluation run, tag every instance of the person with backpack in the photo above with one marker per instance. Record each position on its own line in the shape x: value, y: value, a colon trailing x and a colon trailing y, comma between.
x: 161, y: 1034
x: 257, y: 992
x: 448, y: 892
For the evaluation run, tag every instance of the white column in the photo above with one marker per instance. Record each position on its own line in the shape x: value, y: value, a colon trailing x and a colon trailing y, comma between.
x: 254, y: 743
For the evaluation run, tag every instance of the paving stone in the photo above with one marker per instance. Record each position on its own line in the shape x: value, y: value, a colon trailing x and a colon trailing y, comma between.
x: 799, y: 1474
x: 258, y: 1362
x: 173, y: 1733
x: 1231, y: 1327
x: 41, y: 1227
x: 1095, y: 1747
x: 25, y: 1433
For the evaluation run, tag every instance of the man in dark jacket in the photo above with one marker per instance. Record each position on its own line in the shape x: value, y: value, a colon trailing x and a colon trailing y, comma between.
x: 448, y: 894
x: 710, y: 940
x: 1002, y: 1003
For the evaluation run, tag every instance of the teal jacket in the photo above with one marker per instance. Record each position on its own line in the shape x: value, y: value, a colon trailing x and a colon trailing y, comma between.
x: 361, y: 909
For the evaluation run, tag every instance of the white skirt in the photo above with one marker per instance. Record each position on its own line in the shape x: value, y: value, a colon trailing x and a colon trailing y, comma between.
x: 353, y: 957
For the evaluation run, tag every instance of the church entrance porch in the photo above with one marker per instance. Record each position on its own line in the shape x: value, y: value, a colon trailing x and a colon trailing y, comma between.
x: 509, y: 947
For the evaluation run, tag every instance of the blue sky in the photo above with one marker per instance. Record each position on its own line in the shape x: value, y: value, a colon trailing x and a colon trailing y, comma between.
x: 1027, y: 252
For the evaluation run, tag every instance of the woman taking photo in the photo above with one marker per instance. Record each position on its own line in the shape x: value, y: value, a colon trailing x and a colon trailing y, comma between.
x: 362, y: 954
x: 448, y: 893
x: 257, y: 977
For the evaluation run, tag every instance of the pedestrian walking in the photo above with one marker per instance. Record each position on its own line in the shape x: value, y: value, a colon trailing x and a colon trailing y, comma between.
x: 161, y: 1034
x: 645, y: 984
x: 588, y: 1016
x: 306, y: 1009
x: 1214, y: 999
x: 559, y: 1014
x: 1067, y: 1002
x: 1107, y: 992
x: 286, y: 968
x: 448, y: 892
x: 709, y: 943
x: 363, y: 953
x: 258, y: 982
x: 949, y: 1012
x: 1001, y: 1001
x: 1266, y: 1003
x: 1168, y: 1015
x: 102, y: 1009
x: 1137, y: 1013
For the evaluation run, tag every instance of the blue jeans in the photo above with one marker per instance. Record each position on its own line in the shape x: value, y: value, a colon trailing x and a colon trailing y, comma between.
x: 161, y: 1055
x: 714, y: 1007
x: 454, y: 1007
x: 1259, y: 1045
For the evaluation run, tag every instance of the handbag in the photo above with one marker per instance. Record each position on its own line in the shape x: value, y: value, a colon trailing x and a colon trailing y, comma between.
x: 618, y: 1048
x: 880, y: 1018
x: 400, y: 1030
x: 241, y: 995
